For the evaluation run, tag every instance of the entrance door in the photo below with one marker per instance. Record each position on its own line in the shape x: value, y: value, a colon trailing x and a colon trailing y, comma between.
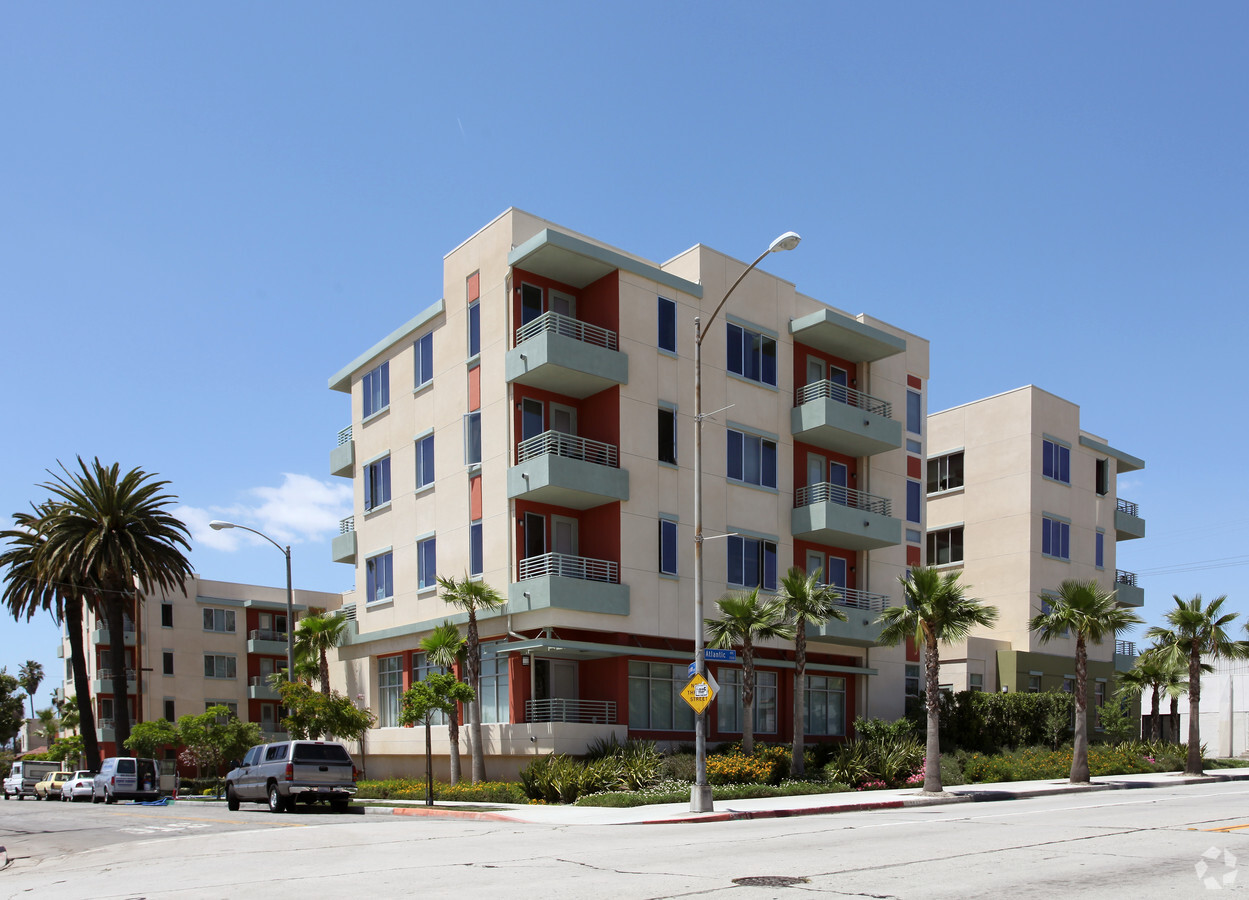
x: 838, y: 476
x: 840, y: 382
x: 815, y: 370
x: 815, y: 469
x: 816, y: 561
x: 835, y: 574
x: 563, y: 304
x: 563, y: 419
x: 530, y: 303
x: 564, y: 535
x: 555, y: 690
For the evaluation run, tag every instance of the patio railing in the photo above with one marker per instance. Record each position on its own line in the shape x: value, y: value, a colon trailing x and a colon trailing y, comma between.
x: 565, y: 566
x: 569, y: 446
x: 601, y: 712
x: 831, y: 390
x: 842, y: 496
x: 567, y: 327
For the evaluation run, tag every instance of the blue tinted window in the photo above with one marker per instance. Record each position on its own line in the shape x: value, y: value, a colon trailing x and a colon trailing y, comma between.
x: 912, y: 501
x: 751, y: 563
x: 1055, y: 538
x: 378, y: 576
x: 474, y: 329
x: 1056, y: 461
x: 751, y: 459
x: 667, y: 547
x: 377, y: 389
x: 667, y: 339
x: 377, y: 483
x: 472, y: 438
x: 426, y: 564
x: 424, y: 362
x: 425, y: 461
x: 1100, y: 551
x: 914, y: 417
x: 476, y: 561
x: 750, y: 354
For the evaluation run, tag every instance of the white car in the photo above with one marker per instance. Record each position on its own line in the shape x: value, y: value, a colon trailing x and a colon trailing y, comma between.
x: 79, y: 787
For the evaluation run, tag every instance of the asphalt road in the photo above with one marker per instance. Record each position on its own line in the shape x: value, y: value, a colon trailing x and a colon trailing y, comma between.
x: 1157, y: 843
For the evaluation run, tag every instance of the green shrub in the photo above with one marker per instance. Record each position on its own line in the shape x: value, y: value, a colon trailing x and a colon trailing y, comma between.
x: 882, y: 729
x: 678, y: 767
x: 988, y: 722
x: 414, y: 789
x: 679, y: 792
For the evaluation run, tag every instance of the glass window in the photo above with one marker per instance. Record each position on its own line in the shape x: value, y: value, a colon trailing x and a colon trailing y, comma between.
x: 423, y: 364
x: 729, y: 701
x: 219, y: 620
x: 1034, y: 684
x: 826, y: 705
x: 945, y: 472
x: 1055, y: 538
x: 655, y: 697
x: 377, y: 389
x: 914, y: 501
x: 377, y: 483
x: 476, y: 555
x: 169, y: 711
x: 1099, y: 700
x: 911, y: 685
x: 167, y: 662
x: 389, y: 690
x: 667, y: 547
x: 474, y: 329
x: 1103, y: 477
x: 426, y: 564
x: 667, y: 339
x: 667, y: 451
x: 945, y: 546
x: 1056, y: 461
x: 472, y: 438
x: 914, y: 413
x: 493, y: 688
x: 751, y: 355
x: 166, y: 615
x: 378, y: 576
x: 425, y: 461
x: 422, y: 668
x: 975, y: 682
x: 1099, y: 550
x: 751, y: 459
x: 217, y: 666
x: 752, y: 563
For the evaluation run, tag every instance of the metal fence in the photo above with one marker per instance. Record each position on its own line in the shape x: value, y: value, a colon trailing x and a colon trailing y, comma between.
x: 347, y: 525
x: 1128, y: 508
x: 568, y: 327
x: 594, y: 712
x: 1122, y: 577
x: 1125, y: 648
x: 569, y: 446
x: 565, y: 566
x: 265, y: 634
x: 344, y: 436
x: 857, y: 599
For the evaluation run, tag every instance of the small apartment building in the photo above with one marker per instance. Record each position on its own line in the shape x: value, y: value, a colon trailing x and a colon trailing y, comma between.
x: 1020, y: 497
x: 533, y: 428
x: 214, y: 643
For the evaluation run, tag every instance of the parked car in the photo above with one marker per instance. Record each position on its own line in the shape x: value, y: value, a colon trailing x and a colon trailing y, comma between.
x: 25, y: 774
x: 126, y: 778
x: 79, y: 786
x: 51, y: 786
x: 288, y: 772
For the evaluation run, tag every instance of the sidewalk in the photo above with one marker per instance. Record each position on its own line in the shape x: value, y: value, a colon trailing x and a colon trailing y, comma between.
x: 780, y: 807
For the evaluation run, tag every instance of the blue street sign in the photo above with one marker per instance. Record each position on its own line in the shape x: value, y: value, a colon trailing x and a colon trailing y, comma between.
x: 720, y: 655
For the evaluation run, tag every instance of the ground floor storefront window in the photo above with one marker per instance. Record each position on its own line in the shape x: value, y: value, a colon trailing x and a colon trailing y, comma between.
x: 826, y: 705
x: 655, y: 697
x: 729, y: 701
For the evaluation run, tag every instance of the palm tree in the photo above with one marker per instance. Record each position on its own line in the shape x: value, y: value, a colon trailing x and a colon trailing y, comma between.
x: 31, y: 585
x: 1153, y: 673
x: 114, y: 534
x: 30, y: 676
x: 471, y: 596
x: 1090, y: 612
x: 937, y: 611
x: 315, y: 637
x: 1197, y: 630
x: 49, y: 725
x: 805, y: 601
x: 743, y: 620
x: 445, y: 647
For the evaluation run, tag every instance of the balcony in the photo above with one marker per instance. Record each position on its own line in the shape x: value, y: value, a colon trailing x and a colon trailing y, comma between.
x: 259, y: 688
x: 343, y: 547
x: 860, y: 628
x: 843, y: 517
x: 101, y: 635
x: 343, y: 457
x: 566, y: 470
x: 260, y: 640
x: 1125, y: 655
x: 102, y: 683
x: 566, y: 356
x: 1128, y: 521
x: 839, y: 418
x: 561, y: 581
x: 105, y: 730
x: 1127, y: 592
x: 840, y: 335
x: 591, y: 712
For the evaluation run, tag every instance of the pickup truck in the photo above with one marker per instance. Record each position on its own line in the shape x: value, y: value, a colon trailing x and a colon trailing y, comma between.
x: 25, y: 774
x: 288, y: 772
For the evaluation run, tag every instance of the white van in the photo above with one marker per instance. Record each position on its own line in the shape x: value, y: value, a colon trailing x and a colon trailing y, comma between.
x: 126, y: 778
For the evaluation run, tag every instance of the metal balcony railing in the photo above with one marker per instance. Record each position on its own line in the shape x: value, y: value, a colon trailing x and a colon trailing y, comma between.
x: 348, y: 612
x: 106, y: 675
x: 595, y: 712
x: 568, y: 327
x: 843, y: 496
x: 569, y: 446
x: 856, y: 599
x: 347, y: 525
x: 566, y: 566
x: 1122, y: 577
x: 1125, y: 648
x: 104, y: 723
x: 260, y: 681
x: 1128, y: 508
x: 831, y: 390
x: 266, y: 634
x: 344, y: 436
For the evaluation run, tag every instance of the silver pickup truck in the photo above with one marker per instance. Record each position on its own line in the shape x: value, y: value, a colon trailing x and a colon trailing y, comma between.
x: 291, y: 771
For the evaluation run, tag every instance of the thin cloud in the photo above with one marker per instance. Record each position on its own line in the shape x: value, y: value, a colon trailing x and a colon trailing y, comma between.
x: 300, y: 509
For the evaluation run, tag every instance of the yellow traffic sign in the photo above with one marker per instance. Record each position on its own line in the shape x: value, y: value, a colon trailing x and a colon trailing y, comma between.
x: 698, y: 693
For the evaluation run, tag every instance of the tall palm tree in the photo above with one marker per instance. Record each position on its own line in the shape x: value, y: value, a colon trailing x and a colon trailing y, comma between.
x: 744, y: 619
x: 32, y: 585
x: 114, y: 533
x: 1153, y: 673
x: 315, y: 637
x: 936, y: 611
x: 30, y: 676
x: 1090, y: 612
x: 806, y: 602
x: 446, y: 647
x: 1197, y: 630
x: 471, y: 596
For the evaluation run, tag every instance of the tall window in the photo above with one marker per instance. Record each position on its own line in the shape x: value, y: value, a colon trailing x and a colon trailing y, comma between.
x: 426, y: 564
x: 379, y: 579
x: 423, y: 364
x: 167, y: 662
x: 476, y: 554
x: 474, y: 329
x: 975, y: 682
x: 667, y: 451
x: 1099, y: 700
x: 910, y: 686
x: 914, y: 413
x: 667, y: 339
x: 751, y: 459
x: 945, y: 545
x: 166, y: 615
x: 752, y: 563
x: 169, y: 711
x: 1056, y: 461
x: 1034, y: 684
x: 655, y: 697
x: 751, y: 354
x: 389, y: 690
x: 826, y: 705
x: 377, y: 483
x: 493, y: 693
x: 1099, y: 550
x: 667, y: 547
x: 1055, y: 538
x: 424, y: 461
x: 377, y: 389
x: 914, y: 501
x: 219, y: 620
x: 729, y: 701
x: 1103, y: 477
x: 945, y: 472
x: 218, y: 666
x: 472, y: 438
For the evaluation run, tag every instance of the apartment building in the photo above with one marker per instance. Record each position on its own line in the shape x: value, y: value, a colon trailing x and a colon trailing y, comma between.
x: 215, y: 642
x: 533, y: 427
x: 1021, y: 497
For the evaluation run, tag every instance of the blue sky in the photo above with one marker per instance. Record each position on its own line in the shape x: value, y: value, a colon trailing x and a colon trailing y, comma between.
x: 208, y: 209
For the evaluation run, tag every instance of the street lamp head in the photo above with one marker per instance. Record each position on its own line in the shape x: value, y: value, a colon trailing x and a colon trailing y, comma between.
x: 217, y: 525
x: 787, y: 241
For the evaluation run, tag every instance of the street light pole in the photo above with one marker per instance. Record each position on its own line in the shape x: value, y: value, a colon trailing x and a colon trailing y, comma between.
x: 217, y: 525
x: 700, y: 793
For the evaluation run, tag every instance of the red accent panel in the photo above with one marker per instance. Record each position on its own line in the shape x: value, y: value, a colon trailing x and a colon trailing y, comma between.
x: 474, y: 287
x: 912, y: 650
x: 800, y: 558
x: 598, y: 417
x: 802, y: 351
x: 801, y: 451
x: 913, y: 467
x: 597, y: 303
x: 914, y: 382
x: 474, y: 388
x: 474, y: 498
x: 517, y: 686
x: 912, y: 555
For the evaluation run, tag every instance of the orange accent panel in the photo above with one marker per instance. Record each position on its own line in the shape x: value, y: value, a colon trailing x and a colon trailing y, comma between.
x: 474, y: 287
x: 913, y: 381
x: 913, y: 467
x: 474, y: 498
x: 474, y: 388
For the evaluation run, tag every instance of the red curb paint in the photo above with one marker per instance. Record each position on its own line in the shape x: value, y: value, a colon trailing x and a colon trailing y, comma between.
x: 452, y: 814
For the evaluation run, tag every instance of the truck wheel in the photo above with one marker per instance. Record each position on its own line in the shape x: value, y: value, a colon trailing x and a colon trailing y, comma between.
x: 232, y: 800
x: 276, y: 803
x: 109, y: 798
